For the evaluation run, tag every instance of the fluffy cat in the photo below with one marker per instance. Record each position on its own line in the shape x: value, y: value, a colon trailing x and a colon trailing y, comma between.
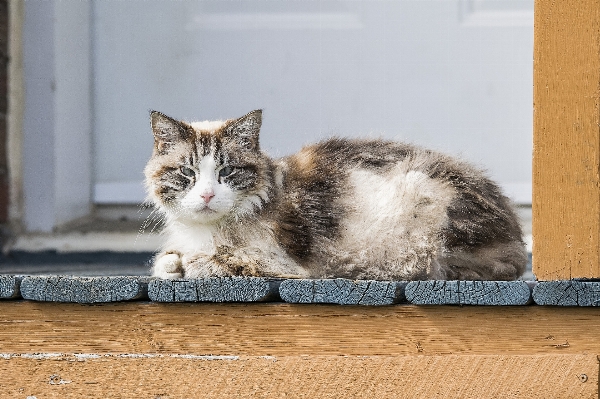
x: 359, y: 209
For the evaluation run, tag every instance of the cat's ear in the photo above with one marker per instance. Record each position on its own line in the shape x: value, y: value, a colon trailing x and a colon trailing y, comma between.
x: 244, y: 131
x: 167, y: 129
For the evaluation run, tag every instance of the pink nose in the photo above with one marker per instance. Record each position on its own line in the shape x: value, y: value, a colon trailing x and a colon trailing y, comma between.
x: 208, y: 196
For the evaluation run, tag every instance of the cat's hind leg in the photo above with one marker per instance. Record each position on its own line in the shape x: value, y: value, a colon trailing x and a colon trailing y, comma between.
x: 502, y: 261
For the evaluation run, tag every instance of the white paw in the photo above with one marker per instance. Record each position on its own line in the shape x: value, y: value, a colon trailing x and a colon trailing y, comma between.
x: 168, y: 266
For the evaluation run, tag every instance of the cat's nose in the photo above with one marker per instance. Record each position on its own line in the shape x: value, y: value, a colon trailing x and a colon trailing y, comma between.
x: 208, y: 196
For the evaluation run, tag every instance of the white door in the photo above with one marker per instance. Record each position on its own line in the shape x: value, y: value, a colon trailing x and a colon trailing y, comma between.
x: 453, y: 75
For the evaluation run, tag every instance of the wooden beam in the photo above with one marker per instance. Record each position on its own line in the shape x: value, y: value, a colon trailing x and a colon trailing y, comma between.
x: 277, y: 329
x: 566, y: 140
x: 158, y: 350
x: 456, y: 376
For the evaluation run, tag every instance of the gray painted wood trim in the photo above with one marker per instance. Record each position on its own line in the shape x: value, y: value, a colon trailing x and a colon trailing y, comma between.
x: 84, y: 289
x: 215, y: 289
x: 343, y: 291
x: 10, y: 286
x: 441, y: 292
x: 567, y: 293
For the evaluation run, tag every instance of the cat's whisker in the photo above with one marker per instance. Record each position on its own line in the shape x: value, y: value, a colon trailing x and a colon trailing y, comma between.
x: 158, y: 222
x: 148, y: 219
x: 155, y: 219
x: 141, y: 209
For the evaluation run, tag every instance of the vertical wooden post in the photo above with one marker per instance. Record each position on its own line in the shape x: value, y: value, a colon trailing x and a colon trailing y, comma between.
x: 566, y: 140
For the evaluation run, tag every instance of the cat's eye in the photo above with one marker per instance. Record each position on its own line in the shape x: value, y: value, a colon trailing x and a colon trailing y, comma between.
x: 226, y: 171
x: 187, y: 171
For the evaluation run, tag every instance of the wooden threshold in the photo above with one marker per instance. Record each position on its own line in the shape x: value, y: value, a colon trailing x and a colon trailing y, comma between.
x: 278, y: 329
x: 172, y: 350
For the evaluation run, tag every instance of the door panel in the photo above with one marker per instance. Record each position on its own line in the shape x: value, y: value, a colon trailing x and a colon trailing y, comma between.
x: 451, y: 75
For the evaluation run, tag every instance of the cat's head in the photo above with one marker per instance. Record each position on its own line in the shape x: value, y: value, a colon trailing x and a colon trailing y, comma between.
x: 205, y: 171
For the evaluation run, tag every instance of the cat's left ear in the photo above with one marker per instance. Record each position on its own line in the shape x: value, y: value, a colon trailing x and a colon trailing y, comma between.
x: 245, y: 130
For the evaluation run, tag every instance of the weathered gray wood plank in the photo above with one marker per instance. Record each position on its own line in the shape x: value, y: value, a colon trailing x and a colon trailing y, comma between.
x: 343, y: 291
x: 215, y: 289
x: 10, y: 286
x: 439, y: 292
x: 567, y: 293
x: 84, y: 289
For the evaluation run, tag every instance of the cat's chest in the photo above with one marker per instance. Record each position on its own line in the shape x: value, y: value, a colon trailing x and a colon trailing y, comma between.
x: 188, y: 238
x: 202, y: 239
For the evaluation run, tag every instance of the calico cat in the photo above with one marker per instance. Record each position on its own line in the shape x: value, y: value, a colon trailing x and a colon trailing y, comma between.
x: 359, y: 209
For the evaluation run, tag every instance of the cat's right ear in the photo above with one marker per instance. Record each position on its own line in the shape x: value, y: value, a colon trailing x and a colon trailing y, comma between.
x: 166, y: 129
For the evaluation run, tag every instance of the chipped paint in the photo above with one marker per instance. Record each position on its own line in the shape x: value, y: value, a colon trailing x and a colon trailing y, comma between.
x: 91, y: 356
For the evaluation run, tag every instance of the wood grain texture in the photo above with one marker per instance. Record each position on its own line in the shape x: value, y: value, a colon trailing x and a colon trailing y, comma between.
x: 286, y: 329
x: 83, y: 289
x: 566, y: 140
x: 215, y: 289
x: 454, y: 376
x: 342, y: 291
x: 567, y: 293
x: 499, y: 293
x: 9, y: 286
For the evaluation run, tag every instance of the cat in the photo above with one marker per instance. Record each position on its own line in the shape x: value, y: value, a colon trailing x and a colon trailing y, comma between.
x: 341, y: 208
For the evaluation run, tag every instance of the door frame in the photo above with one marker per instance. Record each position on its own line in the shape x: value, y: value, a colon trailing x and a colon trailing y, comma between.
x: 50, y: 125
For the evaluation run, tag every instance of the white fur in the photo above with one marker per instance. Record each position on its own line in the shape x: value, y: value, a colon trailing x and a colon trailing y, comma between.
x: 393, y: 220
x: 168, y: 266
x: 198, y: 242
x: 190, y: 237
x: 186, y: 238
x: 210, y: 126
x: 261, y: 253
x: 252, y: 203
x: 193, y: 204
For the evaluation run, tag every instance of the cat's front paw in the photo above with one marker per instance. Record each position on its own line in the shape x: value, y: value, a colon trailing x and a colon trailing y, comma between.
x: 168, y: 266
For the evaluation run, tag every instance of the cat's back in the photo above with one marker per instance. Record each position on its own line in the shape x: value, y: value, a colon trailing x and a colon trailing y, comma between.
x: 335, y: 160
x: 322, y: 173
